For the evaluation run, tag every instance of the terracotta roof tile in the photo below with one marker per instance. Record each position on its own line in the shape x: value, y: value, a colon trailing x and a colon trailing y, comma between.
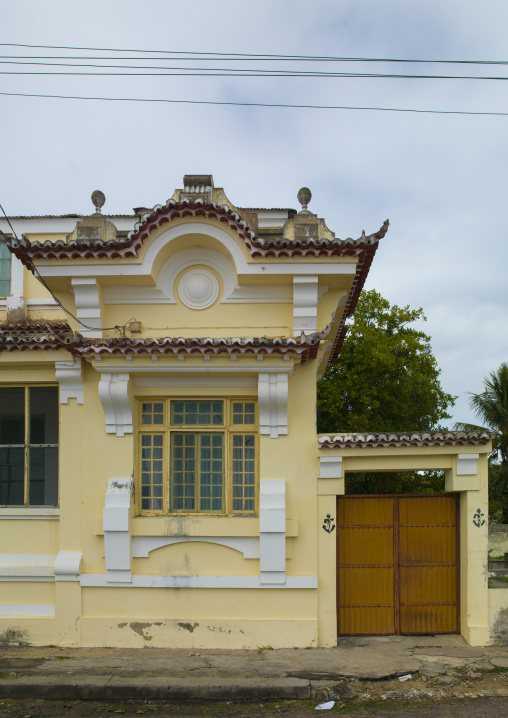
x: 397, y: 439
x: 60, y: 336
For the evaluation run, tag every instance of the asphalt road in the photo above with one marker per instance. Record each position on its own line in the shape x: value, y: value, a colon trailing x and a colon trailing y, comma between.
x: 460, y: 708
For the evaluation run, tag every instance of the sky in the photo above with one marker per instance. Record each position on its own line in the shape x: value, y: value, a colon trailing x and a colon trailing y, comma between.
x: 439, y: 178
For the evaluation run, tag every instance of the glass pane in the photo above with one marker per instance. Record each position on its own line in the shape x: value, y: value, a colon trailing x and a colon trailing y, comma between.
x: 12, y: 415
x: 197, y: 472
x: 43, y: 403
x: 243, y: 473
x: 152, y: 475
x: 197, y: 413
x: 152, y: 413
x: 244, y: 412
x: 5, y: 271
x: 183, y: 455
x: 43, y: 476
x: 12, y: 477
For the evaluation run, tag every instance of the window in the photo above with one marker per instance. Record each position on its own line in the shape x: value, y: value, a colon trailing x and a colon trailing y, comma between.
x: 5, y: 270
x: 29, y: 446
x: 197, y: 456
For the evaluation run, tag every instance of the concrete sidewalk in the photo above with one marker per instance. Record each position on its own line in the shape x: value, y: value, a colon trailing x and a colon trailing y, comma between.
x: 183, y: 674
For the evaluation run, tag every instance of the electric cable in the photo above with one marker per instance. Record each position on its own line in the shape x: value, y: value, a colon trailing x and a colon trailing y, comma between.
x: 228, y: 72
x: 253, y: 104
x: 266, y: 56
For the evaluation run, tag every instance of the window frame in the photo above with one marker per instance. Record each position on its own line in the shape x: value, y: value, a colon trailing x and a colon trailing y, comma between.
x: 26, y: 447
x: 227, y: 429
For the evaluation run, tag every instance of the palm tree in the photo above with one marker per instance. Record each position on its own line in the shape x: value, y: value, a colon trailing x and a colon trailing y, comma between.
x: 491, y: 407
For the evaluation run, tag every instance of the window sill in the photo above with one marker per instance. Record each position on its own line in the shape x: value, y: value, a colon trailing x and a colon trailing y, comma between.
x: 26, y: 512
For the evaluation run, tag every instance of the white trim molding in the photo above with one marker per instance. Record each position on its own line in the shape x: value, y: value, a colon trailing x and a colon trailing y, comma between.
x: 88, y: 305
x: 68, y: 375
x: 67, y: 565
x: 114, y: 396
x: 330, y: 467
x: 26, y: 567
x: 157, y: 581
x: 117, y: 538
x: 467, y: 464
x: 46, y: 610
x: 305, y: 299
x: 272, y: 531
x: 273, y: 390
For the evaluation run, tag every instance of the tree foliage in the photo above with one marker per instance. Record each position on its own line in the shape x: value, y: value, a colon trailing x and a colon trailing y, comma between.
x: 386, y: 377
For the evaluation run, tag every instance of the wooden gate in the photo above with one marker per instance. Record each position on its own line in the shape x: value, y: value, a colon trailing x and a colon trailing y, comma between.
x: 397, y: 565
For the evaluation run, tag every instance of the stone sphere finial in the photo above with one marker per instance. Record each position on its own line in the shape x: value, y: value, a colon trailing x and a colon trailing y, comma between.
x: 98, y: 199
x: 304, y: 196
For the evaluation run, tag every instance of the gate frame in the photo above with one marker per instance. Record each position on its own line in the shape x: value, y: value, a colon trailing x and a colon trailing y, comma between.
x: 466, y: 471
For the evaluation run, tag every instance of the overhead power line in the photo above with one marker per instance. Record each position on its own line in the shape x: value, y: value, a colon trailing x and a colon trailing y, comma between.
x: 254, y: 104
x: 223, y: 72
x: 257, y: 56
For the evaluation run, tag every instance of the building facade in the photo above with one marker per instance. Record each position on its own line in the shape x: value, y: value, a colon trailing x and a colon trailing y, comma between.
x: 162, y: 482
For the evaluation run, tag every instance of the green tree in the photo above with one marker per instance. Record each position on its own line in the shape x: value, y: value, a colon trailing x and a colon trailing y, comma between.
x: 385, y: 379
x: 491, y: 407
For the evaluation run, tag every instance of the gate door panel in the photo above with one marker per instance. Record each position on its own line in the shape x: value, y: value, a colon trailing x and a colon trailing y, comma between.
x: 428, y: 564
x: 397, y: 565
x: 365, y: 566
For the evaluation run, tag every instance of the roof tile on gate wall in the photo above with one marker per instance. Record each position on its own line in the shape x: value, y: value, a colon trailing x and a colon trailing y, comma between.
x: 397, y: 439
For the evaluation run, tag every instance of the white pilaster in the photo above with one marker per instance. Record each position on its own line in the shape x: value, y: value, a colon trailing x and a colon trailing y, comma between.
x: 88, y: 305
x: 305, y: 299
x: 68, y: 375
x: 272, y: 531
x: 273, y: 404
x: 114, y: 396
x: 117, y: 538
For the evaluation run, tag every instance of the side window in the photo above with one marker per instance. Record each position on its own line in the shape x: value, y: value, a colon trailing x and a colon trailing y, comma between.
x: 5, y: 270
x: 29, y: 446
x: 197, y: 456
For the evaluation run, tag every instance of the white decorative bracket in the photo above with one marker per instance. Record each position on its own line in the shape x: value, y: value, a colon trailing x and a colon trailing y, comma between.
x: 88, y: 305
x: 114, y: 396
x: 67, y: 565
x: 272, y: 531
x: 273, y: 404
x: 467, y: 464
x: 305, y: 299
x: 117, y: 538
x: 330, y: 467
x: 68, y: 375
